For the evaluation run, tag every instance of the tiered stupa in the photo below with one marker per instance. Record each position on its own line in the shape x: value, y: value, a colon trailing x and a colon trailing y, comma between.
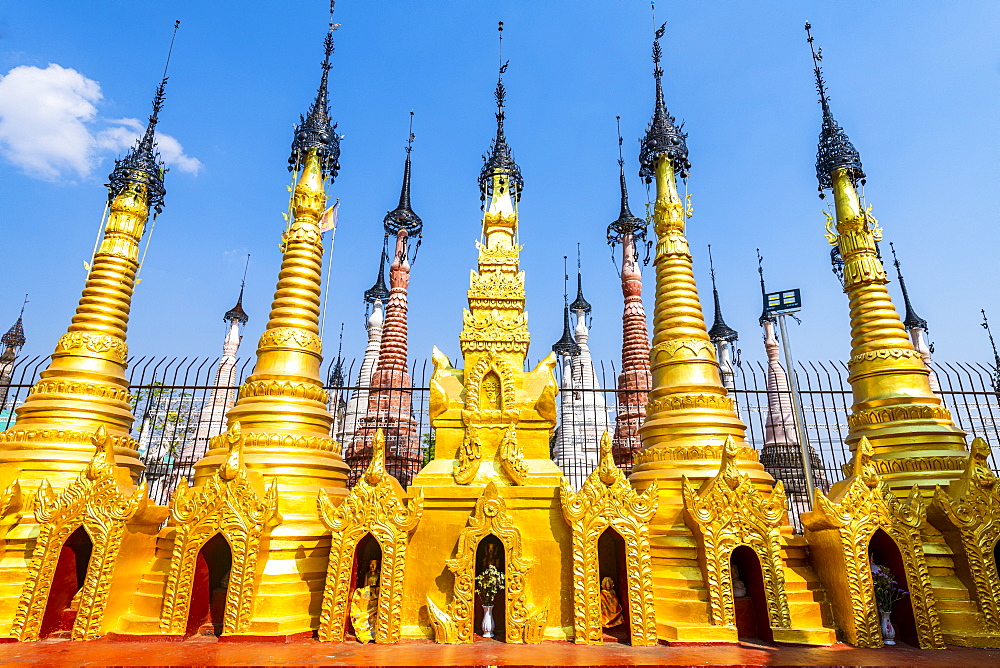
x: 76, y: 525
x: 212, y: 420
x: 12, y: 342
x: 723, y: 336
x: 915, y: 326
x: 245, y: 551
x: 781, y: 454
x: 357, y: 405
x: 912, y: 477
x: 583, y: 411
x: 491, y: 482
x: 718, y: 508
x: 635, y: 379
x: 390, y: 400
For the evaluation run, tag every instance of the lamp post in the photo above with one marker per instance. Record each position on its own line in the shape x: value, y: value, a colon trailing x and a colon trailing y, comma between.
x: 780, y: 304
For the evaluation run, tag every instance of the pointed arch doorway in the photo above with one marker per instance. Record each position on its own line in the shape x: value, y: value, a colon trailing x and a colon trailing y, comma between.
x: 883, y: 551
x: 210, y: 586
x: 613, y: 579
x: 752, y: 621
x: 362, y: 617
x: 490, y: 551
x: 67, y: 580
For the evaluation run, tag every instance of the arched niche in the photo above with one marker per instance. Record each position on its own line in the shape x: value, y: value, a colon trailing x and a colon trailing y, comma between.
x: 486, y: 544
x: 210, y: 587
x: 376, y: 510
x: 882, y: 550
x: 367, y: 552
x: 67, y: 580
x: 752, y: 619
x: 612, y: 562
x: 607, y: 502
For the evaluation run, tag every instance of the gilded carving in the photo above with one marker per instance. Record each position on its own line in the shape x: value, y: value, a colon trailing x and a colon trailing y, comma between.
x: 727, y: 512
x: 265, y: 440
x: 607, y: 500
x: 104, y: 391
x: 15, y: 435
x: 11, y: 503
x: 376, y: 505
x: 893, y: 413
x: 490, y: 403
x: 885, y: 354
x: 284, y: 388
x: 103, y: 501
x: 971, y: 505
x: 470, y: 455
x: 291, y: 337
x: 232, y: 503
x: 673, y: 402
x: 95, y: 343
x: 683, y: 349
x: 490, y: 517
x: 676, y: 453
x: 917, y: 464
x: 857, y: 507
x: 512, y: 456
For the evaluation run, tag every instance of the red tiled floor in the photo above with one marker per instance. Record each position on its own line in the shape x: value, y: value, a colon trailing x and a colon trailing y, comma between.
x: 208, y: 651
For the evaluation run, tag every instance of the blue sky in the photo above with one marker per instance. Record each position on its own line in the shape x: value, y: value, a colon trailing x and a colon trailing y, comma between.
x: 915, y: 84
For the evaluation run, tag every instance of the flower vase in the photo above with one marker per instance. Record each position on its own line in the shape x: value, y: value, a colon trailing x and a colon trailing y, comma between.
x: 888, y: 630
x: 488, y: 625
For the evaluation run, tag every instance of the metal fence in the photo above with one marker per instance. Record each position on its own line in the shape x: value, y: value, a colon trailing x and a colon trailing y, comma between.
x: 178, y: 406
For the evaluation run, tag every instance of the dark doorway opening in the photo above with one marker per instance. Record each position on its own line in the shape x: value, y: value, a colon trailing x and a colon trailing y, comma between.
x: 209, y: 588
x: 996, y: 556
x: 882, y: 550
x: 490, y: 551
x: 67, y: 580
x: 752, y: 622
x: 611, y: 564
x: 363, y: 598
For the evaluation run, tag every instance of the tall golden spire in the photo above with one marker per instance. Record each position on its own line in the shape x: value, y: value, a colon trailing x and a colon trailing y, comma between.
x: 912, y: 433
x: 282, y: 407
x: 688, y: 403
x: 84, y: 387
x: 693, y: 447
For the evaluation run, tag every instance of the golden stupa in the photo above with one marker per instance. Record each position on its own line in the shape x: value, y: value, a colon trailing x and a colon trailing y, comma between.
x: 489, y: 539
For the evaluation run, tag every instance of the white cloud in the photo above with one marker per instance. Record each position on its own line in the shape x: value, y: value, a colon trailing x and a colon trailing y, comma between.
x: 48, y: 120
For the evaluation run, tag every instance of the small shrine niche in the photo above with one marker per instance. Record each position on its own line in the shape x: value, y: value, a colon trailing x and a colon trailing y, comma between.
x: 490, y: 552
x: 750, y: 595
x: 365, y: 582
x: 67, y: 581
x: 210, y: 587
x: 884, y: 553
x: 491, y: 396
x: 613, y: 578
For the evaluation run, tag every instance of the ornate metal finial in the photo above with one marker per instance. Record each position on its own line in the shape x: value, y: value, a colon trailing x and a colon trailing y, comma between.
x: 237, y: 313
x: 837, y: 263
x: 911, y: 318
x: 142, y: 164
x: 500, y: 160
x: 316, y: 129
x: 14, y: 338
x: 566, y: 345
x: 580, y: 304
x: 627, y: 223
x: 835, y: 149
x: 336, y: 378
x: 720, y: 331
x: 663, y: 136
x: 403, y: 217
x: 379, y: 291
x: 996, y: 357
x: 764, y: 315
